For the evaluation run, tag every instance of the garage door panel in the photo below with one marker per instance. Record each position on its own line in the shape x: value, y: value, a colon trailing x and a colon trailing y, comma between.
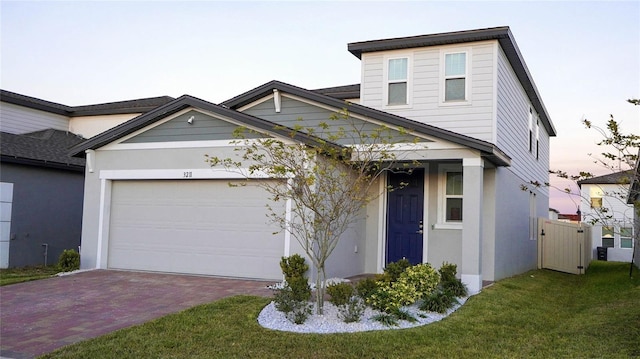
x: 201, y: 227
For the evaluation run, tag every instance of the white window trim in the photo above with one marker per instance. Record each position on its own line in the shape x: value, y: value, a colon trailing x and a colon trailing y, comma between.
x: 385, y: 80
x: 442, y: 203
x: 467, y: 90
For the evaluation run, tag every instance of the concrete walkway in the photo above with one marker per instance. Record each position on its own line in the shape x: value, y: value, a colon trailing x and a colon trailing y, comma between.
x: 40, y: 316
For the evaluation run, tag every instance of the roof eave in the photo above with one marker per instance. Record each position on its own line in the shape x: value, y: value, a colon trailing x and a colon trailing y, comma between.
x: 42, y: 163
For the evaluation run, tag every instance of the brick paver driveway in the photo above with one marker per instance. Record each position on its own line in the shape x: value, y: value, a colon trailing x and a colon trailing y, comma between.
x: 40, y: 316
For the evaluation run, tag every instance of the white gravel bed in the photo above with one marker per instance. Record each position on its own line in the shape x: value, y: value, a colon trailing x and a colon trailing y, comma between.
x: 271, y: 318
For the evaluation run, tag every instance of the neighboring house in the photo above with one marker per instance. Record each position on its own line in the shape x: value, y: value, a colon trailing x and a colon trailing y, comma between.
x: 634, y: 200
x: 41, y: 185
x: 604, y: 204
x: 153, y: 203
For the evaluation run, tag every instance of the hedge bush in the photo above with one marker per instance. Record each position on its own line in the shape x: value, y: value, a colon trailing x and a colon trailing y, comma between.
x: 69, y: 260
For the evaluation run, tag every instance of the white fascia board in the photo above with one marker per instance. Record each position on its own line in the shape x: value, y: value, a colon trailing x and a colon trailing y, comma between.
x: 255, y: 103
x: 184, y: 173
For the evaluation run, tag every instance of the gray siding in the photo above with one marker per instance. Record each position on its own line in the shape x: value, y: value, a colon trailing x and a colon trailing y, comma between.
x: 474, y: 119
x: 203, y: 128
x: 513, y: 128
x: 18, y: 120
x: 294, y: 114
x: 47, y: 208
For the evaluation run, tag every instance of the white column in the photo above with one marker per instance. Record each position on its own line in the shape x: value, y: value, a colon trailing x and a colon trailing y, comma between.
x: 471, y: 271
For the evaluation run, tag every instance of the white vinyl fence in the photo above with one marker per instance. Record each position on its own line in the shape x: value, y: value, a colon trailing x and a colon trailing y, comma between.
x: 563, y: 246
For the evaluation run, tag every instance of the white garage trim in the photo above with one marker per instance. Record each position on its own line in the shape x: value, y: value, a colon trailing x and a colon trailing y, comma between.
x: 181, y: 173
x: 108, y: 176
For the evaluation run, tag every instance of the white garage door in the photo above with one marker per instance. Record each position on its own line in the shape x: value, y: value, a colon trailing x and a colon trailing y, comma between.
x: 193, y: 226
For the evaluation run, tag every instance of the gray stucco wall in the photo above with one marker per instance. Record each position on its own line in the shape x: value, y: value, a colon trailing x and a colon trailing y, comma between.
x: 47, y: 208
x: 514, y: 252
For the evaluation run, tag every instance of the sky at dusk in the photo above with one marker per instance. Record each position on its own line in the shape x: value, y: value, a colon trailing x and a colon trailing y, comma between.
x: 584, y: 56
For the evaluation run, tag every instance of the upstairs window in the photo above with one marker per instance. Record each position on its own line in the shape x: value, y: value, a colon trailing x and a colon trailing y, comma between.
x: 537, y: 139
x: 596, y: 202
x: 455, y: 76
x: 530, y: 130
x: 397, y: 76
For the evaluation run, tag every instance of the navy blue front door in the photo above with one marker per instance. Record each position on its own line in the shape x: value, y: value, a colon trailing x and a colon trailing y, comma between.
x: 404, y: 216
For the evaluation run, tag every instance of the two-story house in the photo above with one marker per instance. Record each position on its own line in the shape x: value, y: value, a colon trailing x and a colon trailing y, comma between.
x: 604, y: 203
x: 41, y: 185
x: 153, y: 203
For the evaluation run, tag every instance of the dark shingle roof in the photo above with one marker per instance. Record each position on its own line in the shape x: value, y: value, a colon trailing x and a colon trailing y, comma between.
x: 46, y: 148
x: 341, y: 92
x: 501, y: 34
x: 622, y: 177
x: 111, y: 108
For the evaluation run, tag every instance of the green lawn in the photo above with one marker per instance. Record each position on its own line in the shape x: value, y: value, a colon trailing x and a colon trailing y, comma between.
x: 19, y: 275
x: 540, y: 314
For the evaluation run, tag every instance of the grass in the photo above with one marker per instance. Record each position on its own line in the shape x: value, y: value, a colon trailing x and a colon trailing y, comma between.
x: 26, y: 274
x: 540, y: 314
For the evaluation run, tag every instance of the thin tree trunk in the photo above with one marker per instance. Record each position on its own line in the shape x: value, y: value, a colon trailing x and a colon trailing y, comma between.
x: 319, y: 290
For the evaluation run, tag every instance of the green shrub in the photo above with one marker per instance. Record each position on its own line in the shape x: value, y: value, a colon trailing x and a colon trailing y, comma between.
x: 351, y: 311
x: 340, y: 293
x: 69, y: 260
x: 449, y: 282
x: 366, y: 287
x: 391, y: 296
x: 439, y: 301
x: 293, y: 267
x: 300, y: 288
x: 423, y: 277
x: 404, y: 315
x: 393, y: 270
x: 386, y: 319
x: 294, y: 309
x: 448, y: 272
x: 456, y: 288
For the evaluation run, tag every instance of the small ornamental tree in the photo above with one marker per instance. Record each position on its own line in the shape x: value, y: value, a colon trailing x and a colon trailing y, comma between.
x: 328, y: 184
x: 619, y: 155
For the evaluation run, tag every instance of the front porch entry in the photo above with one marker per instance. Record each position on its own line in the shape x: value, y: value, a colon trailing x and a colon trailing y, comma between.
x: 405, y: 212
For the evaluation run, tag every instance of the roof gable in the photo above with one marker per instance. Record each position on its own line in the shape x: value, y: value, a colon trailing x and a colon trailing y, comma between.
x: 488, y: 150
x: 180, y: 104
x: 502, y: 34
x: 191, y: 125
x: 325, y: 121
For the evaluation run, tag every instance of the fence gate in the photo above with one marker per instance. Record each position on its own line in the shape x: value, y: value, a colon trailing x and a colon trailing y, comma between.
x: 563, y: 246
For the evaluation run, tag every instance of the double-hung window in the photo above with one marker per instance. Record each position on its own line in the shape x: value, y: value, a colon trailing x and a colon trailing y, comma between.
x: 455, y: 76
x: 397, y: 81
x: 626, y: 237
x: 608, y: 237
x: 453, y: 196
x: 530, y: 130
x: 537, y: 138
